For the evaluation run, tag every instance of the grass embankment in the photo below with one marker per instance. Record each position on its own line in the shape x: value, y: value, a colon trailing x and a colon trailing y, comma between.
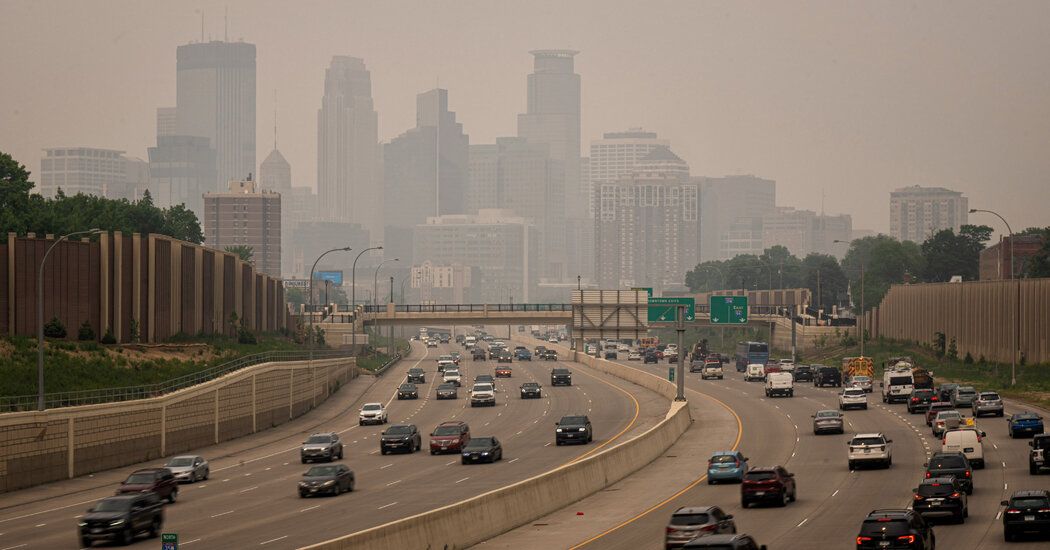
x: 76, y: 366
x: 369, y: 360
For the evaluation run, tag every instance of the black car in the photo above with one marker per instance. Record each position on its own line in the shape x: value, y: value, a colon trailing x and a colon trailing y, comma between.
x: 895, y: 529
x: 549, y: 355
x: 1026, y: 511
x: 610, y: 354
x: 121, y: 518
x: 573, y: 429
x: 920, y: 400
x: 505, y: 357
x: 331, y: 480
x: 826, y: 376
x: 477, y: 354
x: 951, y: 464
x: 322, y: 446
x: 485, y: 379
x: 448, y: 390
x: 531, y: 390
x: 416, y: 376
x: 482, y: 449
x: 400, y: 437
x: 494, y: 352
x: 941, y: 497
x: 650, y: 357
x: 561, y: 377
x: 407, y: 391
x: 803, y: 373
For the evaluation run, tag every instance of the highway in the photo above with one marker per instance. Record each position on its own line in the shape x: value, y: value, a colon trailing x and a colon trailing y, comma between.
x: 251, y: 499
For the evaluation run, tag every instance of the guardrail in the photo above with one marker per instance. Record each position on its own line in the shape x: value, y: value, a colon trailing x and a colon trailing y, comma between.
x: 128, y: 393
x: 457, y: 308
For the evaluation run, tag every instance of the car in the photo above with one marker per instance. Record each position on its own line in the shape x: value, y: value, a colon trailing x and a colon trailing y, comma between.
x: 573, y: 429
x: 407, y: 391
x: 461, y: 338
x: 456, y: 357
x: 637, y: 356
x: 895, y: 529
x: 671, y: 356
x: 944, y: 391
x: 862, y: 382
x: 1026, y: 511
x: 1039, y: 454
x: 432, y: 343
x: 531, y: 390
x: 372, y: 413
x: 726, y: 466
x: 826, y: 376
x: 963, y: 396
x: 333, y: 479
x: 561, y: 377
x: 503, y: 371
x: 478, y: 354
x: 553, y: 340
x: 400, y: 437
x: 623, y: 347
x: 944, y: 421
x: 768, y: 484
x: 538, y: 350
x: 988, y: 402
x: 523, y: 355
x: 445, y: 362
x: 485, y: 379
x: 610, y: 354
x: 650, y: 357
x: 853, y: 397
x: 321, y: 446
x: 755, y: 373
x: 504, y: 357
x: 712, y: 370
x: 449, y: 436
x: 920, y: 400
x: 452, y: 376
x: 483, y: 395
x: 1024, y: 424
x: 690, y: 522
x: 941, y: 497
x: 725, y: 542
x: 189, y: 468
x: 416, y: 376
x: 870, y: 448
x: 494, y: 352
x: 935, y: 408
x: 696, y: 365
x: 803, y: 373
x: 481, y: 449
x: 549, y: 355
x: 828, y: 421
x: 787, y: 365
x: 122, y: 518
x: 156, y: 480
x: 951, y: 464
x: 447, y: 390
x: 966, y: 440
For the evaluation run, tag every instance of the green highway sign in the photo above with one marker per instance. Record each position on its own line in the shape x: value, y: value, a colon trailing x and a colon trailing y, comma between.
x: 670, y: 373
x: 648, y: 289
x: 664, y: 310
x: 169, y: 541
x: 728, y: 310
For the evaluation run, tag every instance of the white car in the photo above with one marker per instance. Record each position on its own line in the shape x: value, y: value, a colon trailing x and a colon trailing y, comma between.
x: 780, y: 383
x: 553, y: 340
x: 452, y: 376
x: 634, y: 356
x: 787, y: 365
x: 755, y: 371
x: 711, y: 370
x: 966, y: 441
x: 870, y: 448
x: 671, y: 348
x: 432, y: 342
x: 853, y: 397
x: 482, y: 395
x: 189, y: 468
x: 623, y: 348
x: 372, y: 413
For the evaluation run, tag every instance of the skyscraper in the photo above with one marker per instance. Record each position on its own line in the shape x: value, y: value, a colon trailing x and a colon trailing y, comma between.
x: 92, y: 171
x: 917, y: 213
x: 215, y: 98
x: 181, y: 170
x: 167, y: 121
x: 245, y: 215
x: 275, y: 174
x: 733, y: 208
x: 348, y: 182
x: 613, y: 157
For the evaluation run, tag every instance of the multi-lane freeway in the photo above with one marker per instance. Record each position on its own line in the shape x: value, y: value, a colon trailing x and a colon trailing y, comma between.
x: 251, y: 497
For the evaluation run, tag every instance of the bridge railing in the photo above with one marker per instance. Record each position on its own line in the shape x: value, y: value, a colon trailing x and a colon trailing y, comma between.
x: 467, y: 308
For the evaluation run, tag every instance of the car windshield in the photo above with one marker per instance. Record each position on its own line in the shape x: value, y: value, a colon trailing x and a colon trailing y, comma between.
x: 723, y: 459
x: 399, y: 430
x: 861, y: 379
x: 447, y: 430
x: 948, y: 415
x: 1029, y: 502
x: 1026, y: 416
x: 944, y: 462
x: 479, y: 443
x: 887, y: 526
x: 966, y: 389
x: 415, y: 370
x: 922, y: 393
x: 827, y: 414
x: 447, y: 387
x: 112, y: 505
x: 482, y: 387
x: 868, y: 441
x: 990, y: 396
x: 139, y: 479
x: 854, y: 393
x: 573, y: 420
x: 936, y: 489
x: 372, y: 407
x: 760, y: 475
x: 560, y: 371
x: 319, y: 439
x: 181, y: 462
x: 445, y: 358
x: 408, y: 386
x: 690, y: 519
x: 321, y: 471
x: 530, y: 385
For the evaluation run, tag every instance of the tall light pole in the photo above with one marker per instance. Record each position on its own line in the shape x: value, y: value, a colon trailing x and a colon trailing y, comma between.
x: 40, y: 315
x: 1017, y: 297
x: 375, y: 292
x: 353, y: 297
x: 860, y: 320
x: 310, y: 337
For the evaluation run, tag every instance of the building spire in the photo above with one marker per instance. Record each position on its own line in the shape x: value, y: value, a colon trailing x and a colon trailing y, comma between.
x: 226, y: 26
x: 275, y: 119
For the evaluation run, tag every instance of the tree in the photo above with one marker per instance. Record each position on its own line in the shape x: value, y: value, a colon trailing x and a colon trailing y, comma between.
x: 14, y: 194
x: 243, y: 251
x: 833, y: 281
x: 1039, y: 264
x: 947, y: 254
x: 885, y: 261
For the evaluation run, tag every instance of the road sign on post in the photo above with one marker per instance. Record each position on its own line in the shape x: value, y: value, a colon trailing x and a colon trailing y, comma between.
x: 665, y: 310
x: 169, y: 541
x: 728, y: 310
x: 670, y: 373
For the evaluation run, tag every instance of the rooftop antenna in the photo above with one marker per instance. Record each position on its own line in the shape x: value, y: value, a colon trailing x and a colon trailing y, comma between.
x: 226, y: 26
x: 275, y: 119
x: 202, y: 25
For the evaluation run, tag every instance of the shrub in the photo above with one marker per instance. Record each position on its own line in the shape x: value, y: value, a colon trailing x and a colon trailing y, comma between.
x: 108, y: 337
x: 968, y: 359
x: 85, y: 333
x: 245, y: 336
x: 54, y: 329
x: 134, y: 330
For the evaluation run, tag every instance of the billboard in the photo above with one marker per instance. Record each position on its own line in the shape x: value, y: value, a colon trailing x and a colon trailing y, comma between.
x: 335, y: 277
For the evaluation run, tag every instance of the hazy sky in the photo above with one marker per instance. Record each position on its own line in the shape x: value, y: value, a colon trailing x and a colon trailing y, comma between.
x: 852, y: 98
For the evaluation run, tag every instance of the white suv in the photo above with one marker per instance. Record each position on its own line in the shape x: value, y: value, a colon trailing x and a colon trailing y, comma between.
x: 870, y: 448
x: 853, y: 397
x: 482, y: 395
x: 372, y: 413
x: 711, y: 370
x: 452, y: 376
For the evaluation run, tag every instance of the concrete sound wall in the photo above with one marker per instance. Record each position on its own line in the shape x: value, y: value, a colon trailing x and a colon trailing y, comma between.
x: 38, y: 447
x: 498, y: 511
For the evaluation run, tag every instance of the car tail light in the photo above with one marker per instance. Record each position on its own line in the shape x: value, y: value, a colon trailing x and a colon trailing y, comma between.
x: 1044, y: 510
x: 672, y: 530
x: 966, y: 473
x: 934, y: 398
x: 955, y: 495
x: 1013, y: 511
x: 928, y: 476
x: 709, y: 528
x: 908, y: 539
x: 862, y: 540
x: 918, y: 497
x: 914, y: 399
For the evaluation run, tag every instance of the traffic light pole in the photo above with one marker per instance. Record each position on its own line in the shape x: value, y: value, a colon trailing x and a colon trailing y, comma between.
x: 680, y: 374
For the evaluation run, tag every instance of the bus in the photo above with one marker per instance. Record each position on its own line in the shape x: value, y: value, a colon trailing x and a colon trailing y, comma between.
x: 748, y: 353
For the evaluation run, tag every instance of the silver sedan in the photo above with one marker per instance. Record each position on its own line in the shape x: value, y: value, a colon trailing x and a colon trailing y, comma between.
x: 828, y: 421
x: 188, y: 468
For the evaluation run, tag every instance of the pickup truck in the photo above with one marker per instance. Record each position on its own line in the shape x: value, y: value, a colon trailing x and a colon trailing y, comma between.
x: 561, y: 377
x: 482, y: 395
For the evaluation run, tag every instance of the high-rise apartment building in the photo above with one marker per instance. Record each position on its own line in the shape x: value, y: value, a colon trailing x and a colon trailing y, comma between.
x: 182, y: 169
x: 215, y: 98
x: 647, y: 226
x: 732, y: 210
x: 804, y: 232
x: 348, y: 162
x: 917, y: 213
x: 613, y: 157
x: 91, y: 171
x: 246, y: 215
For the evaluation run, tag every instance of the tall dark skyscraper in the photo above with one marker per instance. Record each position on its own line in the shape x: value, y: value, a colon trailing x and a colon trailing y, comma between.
x: 348, y: 181
x: 215, y: 98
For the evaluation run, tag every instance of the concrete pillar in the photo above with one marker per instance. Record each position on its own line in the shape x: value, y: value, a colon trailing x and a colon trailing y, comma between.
x: 118, y: 285
x: 151, y: 291
x: 255, y: 407
x: 11, y: 240
x: 104, y: 321
x: 216, y: 415
x: 164, y: 429
x: 71, y: 445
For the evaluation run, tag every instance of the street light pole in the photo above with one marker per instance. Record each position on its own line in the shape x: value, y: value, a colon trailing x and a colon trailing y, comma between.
x: 40, y: 315
x: 310, y: 336
x: 1017, y: 298
x: 353, y: 297
x: 375, y: 292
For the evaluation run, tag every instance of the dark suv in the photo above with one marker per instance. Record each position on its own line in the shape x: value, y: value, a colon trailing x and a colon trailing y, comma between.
x: 157, y: 480
x: 941, y: 497
x: 772, y: 484
x: 449, y: 437
x: 416, y: 376
x: 920, y: 400
x: 1026, y: 511
x: 561, y: 377
x: 803, y: 373
x: 323, y: 446
x: 951, y: 464
x: 573, y: 429
x: 400, y: 437
x: 895, y: 529
x: 122, y: 518
x: 826, y: 376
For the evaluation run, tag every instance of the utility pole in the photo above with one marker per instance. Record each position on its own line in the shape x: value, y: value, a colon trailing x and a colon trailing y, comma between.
x: 680, y: 371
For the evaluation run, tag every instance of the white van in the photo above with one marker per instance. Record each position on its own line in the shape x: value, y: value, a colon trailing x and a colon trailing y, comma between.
x: 779, y: 383
x: 896, y: 385
x: 755, y: 371
x: 966, y: 441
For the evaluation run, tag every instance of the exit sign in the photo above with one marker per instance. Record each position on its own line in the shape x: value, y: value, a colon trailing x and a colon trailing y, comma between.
x: 728, y: 310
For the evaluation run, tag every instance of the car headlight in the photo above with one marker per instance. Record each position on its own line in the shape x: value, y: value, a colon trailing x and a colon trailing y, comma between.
x: 466, y: 454
x: 484, y: 453
x: 303, y: 484
x: 116, y: 523
x: 558, y: 430
x: 583, y: 429
x: 82, y: 523
x: 328, y: 483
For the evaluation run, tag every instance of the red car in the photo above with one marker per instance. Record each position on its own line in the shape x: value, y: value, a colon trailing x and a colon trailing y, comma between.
x: 773, y: 484
x: 157, y: 480
x: 449, y: 437
x: 503, y: 372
